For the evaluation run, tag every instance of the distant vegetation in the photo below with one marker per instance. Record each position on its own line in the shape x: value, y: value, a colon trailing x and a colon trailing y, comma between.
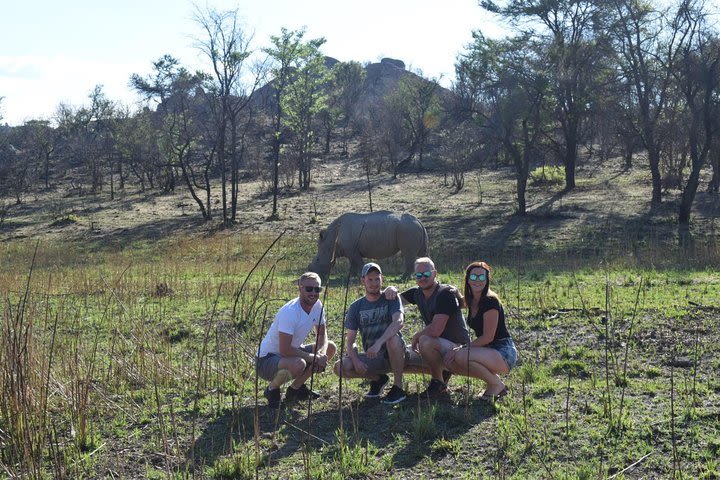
x: 610, y: 79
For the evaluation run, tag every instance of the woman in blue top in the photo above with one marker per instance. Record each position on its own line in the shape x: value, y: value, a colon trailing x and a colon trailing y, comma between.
x: 493, y: 352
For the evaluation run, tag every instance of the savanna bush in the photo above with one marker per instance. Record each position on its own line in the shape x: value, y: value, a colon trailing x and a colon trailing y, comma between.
x: 547, y: 176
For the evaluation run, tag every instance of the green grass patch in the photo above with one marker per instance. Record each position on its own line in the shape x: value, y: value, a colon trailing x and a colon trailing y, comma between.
x: 152, y: 347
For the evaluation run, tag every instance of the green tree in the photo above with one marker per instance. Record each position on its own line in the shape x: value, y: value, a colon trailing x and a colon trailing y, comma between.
x: 288, y: 54
x: 502, y: 82
x: 348, y: 84
x: 416, y: 100
x: 304, y: 100
x: 576, y: 54
x: 180, y: 115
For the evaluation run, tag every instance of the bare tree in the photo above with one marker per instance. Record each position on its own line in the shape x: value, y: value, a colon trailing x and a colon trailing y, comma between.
x: 227, y: 46
x: 698, y: 78
x: 503, y: 82
x: 648, y: 44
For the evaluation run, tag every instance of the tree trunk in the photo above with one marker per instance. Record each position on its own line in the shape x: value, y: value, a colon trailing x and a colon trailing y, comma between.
x: 654, y: 160
x: 714, y: 184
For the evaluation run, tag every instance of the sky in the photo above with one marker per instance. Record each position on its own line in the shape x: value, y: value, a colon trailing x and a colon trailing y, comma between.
x: 54, y: 52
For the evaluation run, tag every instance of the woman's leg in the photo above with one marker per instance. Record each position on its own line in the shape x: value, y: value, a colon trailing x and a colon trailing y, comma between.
x: 484, y: 363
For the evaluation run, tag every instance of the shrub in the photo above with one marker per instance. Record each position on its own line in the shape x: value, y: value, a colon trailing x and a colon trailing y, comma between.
x: 547, y: 176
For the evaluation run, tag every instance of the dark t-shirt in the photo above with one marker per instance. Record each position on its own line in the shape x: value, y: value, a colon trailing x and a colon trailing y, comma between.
x: 477, y: 323
x: 371, y: 318
x: 442, y: 302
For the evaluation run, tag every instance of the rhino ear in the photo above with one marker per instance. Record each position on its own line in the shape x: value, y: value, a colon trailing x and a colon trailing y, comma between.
x: 322, y: 234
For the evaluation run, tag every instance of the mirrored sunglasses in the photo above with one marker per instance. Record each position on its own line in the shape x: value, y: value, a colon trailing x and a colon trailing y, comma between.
x: 480, y: 278
x: 419, y: 275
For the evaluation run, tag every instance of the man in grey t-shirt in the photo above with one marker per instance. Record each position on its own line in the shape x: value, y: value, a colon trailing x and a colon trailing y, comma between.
x: 379, y: 322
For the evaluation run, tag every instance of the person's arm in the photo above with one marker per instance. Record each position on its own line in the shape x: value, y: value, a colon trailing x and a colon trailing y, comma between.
x: 322, y: 346
x: 390, y: 331
x: 446, y: 304
x: 491, y: 319
x: 434, y: 329
x: 319, y: 359
x: 287, y: 350
x: 358, y: 365
x: 392, y: 292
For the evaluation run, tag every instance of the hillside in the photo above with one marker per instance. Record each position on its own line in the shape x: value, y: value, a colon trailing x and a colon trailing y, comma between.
x: 608, y: 213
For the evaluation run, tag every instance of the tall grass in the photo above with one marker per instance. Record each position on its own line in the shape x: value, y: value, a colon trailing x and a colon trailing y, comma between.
x: 133, y: 364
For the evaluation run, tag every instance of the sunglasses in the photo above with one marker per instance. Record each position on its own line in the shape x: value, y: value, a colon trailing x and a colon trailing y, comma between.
x: 313, y: 289
x: 480, y: 278
x: 419, y: 275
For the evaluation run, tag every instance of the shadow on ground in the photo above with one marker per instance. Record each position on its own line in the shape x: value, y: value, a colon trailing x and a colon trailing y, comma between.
x: 406, y: 431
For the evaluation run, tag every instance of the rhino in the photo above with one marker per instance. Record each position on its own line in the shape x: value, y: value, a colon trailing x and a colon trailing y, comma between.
x: 374, y: 235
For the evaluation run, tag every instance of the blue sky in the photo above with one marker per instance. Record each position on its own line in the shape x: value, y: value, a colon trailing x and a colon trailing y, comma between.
x: 53, y: 52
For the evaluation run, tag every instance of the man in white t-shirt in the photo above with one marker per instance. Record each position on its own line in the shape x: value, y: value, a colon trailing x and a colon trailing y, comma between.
x: 283, y: 357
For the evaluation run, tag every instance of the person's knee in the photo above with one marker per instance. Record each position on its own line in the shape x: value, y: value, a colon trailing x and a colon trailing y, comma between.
x: 331, y: 349
x: 297, y: 366
x: 394, y: 344
x: 337, y: 367
x: 427, y: 343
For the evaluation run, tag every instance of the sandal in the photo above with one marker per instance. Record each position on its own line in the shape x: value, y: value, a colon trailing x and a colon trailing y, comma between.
x: 486, y: 397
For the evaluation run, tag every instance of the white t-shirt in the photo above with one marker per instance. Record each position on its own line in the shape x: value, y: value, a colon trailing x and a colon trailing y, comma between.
x: 293, y: 320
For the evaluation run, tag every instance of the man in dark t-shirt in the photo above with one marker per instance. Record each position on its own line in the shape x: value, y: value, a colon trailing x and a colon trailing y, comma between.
x: 379, y: 321
x: 445, y: 326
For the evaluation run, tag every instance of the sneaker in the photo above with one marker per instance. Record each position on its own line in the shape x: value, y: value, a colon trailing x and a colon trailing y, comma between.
x: 395, y: 395
x: 436, y: 387
x: 273, y: 397
x: 376, y: 386
x: 302, y: 393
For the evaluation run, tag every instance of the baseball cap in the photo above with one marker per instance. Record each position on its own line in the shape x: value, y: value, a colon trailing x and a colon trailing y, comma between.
x: 370, y: 266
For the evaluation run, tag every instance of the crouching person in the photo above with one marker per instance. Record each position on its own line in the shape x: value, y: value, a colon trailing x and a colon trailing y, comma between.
x: 379, y: 322
x: 493, y: 352
x: 283, y: 357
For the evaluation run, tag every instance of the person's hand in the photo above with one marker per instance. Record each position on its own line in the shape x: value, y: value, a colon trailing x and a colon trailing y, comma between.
x: 373, y: 351
x: 320, y: 362
x: 415, y: 341
x: 450, y: 356
x: 391, y: 293
x: 359, y: 367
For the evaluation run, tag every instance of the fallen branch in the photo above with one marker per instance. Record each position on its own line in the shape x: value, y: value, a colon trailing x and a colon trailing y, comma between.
x: 629, y: 467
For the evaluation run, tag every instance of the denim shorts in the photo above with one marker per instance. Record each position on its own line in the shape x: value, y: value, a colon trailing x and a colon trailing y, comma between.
x: 506, y: 348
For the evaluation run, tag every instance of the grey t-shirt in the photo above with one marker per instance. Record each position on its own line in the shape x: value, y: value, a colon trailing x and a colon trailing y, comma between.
x: 442, y: 301
x: 371, y: 318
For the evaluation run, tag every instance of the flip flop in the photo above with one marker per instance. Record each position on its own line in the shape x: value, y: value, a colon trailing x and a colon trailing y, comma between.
x: 494, y: 398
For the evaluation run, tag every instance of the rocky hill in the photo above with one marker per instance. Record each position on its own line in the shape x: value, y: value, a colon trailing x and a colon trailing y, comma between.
x: 382, y: 78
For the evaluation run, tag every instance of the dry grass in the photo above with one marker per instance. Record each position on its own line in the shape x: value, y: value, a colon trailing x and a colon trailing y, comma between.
x: 125, y: 359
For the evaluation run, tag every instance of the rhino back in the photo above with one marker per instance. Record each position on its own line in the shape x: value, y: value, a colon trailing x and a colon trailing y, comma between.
x: 372, y: 235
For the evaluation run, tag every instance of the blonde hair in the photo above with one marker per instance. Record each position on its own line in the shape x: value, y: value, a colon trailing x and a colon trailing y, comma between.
x: 307, y: 275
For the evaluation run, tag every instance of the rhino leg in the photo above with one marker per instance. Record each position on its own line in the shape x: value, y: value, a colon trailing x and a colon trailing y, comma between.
x: 356, y: 264
x: 409, y: 264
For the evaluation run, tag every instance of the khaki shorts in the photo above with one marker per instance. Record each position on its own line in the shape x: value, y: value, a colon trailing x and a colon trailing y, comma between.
x: 267, y: 366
